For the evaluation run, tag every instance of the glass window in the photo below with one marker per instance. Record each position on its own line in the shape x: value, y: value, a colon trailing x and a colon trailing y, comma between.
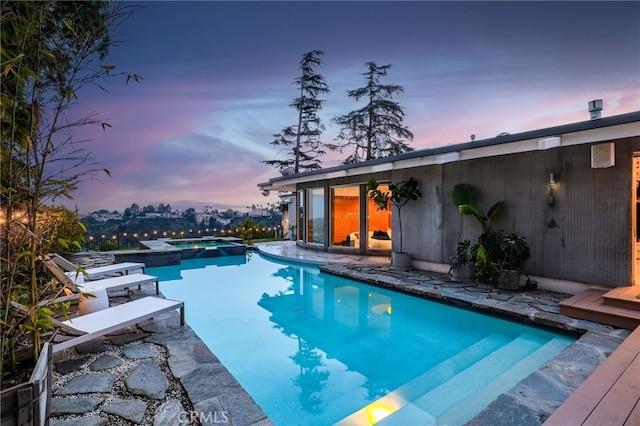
x: 315, y: 215
x: 301, y: 222
x: 345, y: 216
x: 379, y: 224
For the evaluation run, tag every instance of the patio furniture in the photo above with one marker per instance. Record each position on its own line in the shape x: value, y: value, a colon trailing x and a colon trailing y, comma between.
x: 77, y: 286
x: 98, y: 272
x: 97, y: 324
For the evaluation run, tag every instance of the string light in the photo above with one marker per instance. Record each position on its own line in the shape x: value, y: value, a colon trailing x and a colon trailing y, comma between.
x: 254, y: 232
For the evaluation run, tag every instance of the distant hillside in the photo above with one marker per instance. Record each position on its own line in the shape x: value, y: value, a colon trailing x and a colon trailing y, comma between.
x: 157, y: 226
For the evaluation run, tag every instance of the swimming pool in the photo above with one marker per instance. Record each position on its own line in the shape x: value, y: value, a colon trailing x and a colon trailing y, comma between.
x: 317, y: 349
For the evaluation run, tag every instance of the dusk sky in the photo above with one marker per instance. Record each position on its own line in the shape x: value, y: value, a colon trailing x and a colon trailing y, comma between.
x: 217, y: 83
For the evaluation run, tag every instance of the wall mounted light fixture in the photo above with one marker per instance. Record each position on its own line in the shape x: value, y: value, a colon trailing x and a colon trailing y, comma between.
x: 553, y: 186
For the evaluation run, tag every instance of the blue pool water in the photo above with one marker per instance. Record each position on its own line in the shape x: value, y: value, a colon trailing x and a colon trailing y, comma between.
x: 316, y: 349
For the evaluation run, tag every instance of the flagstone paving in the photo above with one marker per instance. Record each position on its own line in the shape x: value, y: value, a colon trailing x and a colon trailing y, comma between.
x: 158, y: 373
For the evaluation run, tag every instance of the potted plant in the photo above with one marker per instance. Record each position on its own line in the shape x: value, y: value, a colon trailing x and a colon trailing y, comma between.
x: 462, y: 264
x: 399, y: 195
x: 465, y: 198
x: 514, y: 250
x: 498, y: 259
x: 485, y: 270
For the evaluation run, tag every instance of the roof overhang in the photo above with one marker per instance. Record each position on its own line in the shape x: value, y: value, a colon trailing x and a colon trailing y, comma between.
x: 592, y: 131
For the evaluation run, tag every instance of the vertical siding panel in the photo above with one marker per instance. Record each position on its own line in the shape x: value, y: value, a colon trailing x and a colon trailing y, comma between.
x: 591, y: 240
x: 551, y: 254
x: 612, y: 190
x: 453, y: 223
x: 422, y: 221
x: 536, y: 228
x: 471, y: 173
x: 576, y: 208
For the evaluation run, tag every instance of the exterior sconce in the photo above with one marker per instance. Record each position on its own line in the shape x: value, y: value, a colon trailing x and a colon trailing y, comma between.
x: 553, y: 186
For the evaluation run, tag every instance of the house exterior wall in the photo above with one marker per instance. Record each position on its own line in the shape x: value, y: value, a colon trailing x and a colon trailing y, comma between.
x: 586, y: 236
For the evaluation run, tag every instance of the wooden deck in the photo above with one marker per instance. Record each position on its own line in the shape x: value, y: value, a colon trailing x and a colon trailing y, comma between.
x: 611, y: 395
x: 619, y: 307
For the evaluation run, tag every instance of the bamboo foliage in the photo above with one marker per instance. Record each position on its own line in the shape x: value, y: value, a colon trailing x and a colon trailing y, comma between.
x: 50, y: 50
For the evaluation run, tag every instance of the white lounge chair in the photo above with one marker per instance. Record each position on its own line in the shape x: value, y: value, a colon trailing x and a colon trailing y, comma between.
x: 120, y: 282
x: 97, y: 324
x: 98, y: 272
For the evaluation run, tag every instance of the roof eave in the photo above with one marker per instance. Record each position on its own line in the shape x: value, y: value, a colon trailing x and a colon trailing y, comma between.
x: 615, y: 127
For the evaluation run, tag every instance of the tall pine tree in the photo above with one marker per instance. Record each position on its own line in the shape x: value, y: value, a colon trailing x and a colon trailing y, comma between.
x: 379, y: 120
x: 302, y: 142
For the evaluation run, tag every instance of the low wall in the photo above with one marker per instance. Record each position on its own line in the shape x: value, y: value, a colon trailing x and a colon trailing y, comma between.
x: 202, y: 252
x: 161, y: 253
x: 150, y: 257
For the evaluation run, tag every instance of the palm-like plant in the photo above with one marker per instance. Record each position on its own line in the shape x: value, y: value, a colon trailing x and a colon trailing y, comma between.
x: 465, y: 198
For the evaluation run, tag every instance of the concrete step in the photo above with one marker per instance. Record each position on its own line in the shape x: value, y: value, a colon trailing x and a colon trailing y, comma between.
x: 415, y: 388
x: 468, y: 408
x: 471, y: 380
x: 433, y: 403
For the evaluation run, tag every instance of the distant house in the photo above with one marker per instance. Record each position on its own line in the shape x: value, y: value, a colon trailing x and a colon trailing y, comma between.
x: 256, y: 212
x: 587, y: 233
x: 101, y: 217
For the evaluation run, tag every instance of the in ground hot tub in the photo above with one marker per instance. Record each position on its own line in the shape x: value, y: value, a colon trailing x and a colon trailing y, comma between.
x: 193, y: 248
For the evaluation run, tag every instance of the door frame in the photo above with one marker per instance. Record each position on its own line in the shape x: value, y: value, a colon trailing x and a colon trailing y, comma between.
x: 635, y: 227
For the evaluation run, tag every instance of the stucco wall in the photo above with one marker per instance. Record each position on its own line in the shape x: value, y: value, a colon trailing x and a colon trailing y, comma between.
x: 585, y: 236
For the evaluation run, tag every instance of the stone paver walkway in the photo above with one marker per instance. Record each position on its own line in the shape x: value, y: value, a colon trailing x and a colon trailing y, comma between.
x: 158, y: 373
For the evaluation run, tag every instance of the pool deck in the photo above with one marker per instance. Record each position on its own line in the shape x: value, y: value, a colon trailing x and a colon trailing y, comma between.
x: 197, y: 385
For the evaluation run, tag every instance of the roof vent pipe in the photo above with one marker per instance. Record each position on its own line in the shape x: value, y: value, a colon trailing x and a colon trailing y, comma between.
x: 595, y: 108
